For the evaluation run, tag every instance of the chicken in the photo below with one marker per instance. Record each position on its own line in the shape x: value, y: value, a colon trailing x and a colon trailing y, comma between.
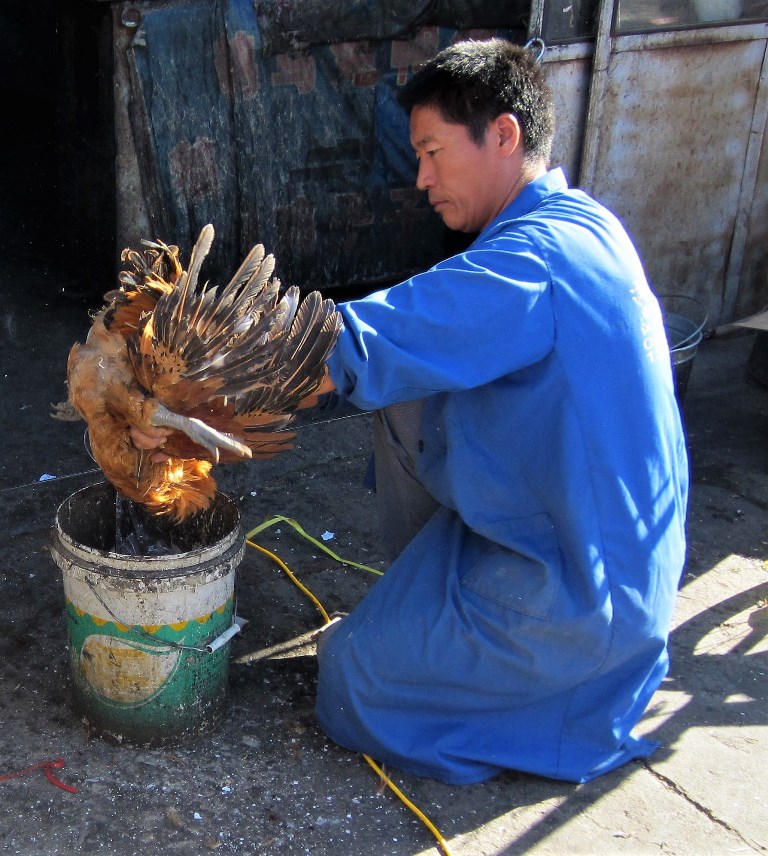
x: 226, y: 370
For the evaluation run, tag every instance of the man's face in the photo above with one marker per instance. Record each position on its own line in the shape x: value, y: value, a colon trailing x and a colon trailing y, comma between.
x: 461, y: 177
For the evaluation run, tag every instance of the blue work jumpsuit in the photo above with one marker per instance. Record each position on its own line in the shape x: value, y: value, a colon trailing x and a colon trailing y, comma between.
x: 526, y: 625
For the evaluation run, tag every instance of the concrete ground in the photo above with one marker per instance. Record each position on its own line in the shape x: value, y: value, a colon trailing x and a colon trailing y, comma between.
x: 266, y: 780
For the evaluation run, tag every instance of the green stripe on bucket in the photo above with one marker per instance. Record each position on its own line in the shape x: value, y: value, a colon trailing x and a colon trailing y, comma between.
x: 142, y: 685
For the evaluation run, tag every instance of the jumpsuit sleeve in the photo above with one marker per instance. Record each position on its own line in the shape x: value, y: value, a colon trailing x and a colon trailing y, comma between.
x: 439, y: 330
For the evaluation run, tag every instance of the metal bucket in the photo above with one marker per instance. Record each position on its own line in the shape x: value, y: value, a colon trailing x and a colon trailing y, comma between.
x: 148, y: 634
x: 684, y: 321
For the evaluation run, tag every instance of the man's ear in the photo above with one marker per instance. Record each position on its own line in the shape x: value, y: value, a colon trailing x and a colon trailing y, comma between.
x: 508, y: 133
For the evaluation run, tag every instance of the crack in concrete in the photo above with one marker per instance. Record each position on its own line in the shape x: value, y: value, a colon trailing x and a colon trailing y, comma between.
x: 673, y: 786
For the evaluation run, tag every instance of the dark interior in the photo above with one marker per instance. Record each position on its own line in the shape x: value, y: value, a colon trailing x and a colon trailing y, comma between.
x: 57, y: 145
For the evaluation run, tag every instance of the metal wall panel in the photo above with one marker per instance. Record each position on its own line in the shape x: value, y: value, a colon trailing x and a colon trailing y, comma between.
x: 674, y: 130
x: 750, y: 271
x: 568, y: 78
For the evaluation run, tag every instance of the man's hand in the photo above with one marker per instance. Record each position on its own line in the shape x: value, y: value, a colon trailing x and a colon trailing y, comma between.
x: 326, y: 386
x: 150, y: 439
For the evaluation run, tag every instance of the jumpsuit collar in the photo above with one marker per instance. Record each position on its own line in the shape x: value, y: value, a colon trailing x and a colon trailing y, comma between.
x: 529, y: 198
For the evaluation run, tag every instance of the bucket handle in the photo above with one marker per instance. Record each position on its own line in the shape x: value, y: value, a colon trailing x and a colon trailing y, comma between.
x: 702, y: 308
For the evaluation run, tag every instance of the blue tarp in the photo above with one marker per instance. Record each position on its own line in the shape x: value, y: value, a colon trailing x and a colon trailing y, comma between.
x: 304, y: 150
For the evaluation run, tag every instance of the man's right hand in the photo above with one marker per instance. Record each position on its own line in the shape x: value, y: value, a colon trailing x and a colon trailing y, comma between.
x: 152, y: 438
x: 326, y: 387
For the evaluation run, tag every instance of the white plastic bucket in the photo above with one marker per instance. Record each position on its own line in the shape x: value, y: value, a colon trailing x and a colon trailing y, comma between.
x: 146, y: 664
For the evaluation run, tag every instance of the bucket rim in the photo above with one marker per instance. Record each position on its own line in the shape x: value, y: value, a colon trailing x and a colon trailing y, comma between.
x: 695, y: 337
x: 67, y: 548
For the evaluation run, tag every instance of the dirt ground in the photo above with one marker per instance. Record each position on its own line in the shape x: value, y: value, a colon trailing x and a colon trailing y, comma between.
x: 267, y: 781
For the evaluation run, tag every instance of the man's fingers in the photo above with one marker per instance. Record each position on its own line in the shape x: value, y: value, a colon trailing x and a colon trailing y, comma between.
x: 326, y: 386
x: 150, y: 439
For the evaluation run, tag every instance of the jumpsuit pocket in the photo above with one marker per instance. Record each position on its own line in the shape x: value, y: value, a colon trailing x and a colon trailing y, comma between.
x: 526, y: 575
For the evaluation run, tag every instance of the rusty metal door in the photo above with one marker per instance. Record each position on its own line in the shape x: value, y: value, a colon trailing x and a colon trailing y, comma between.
x: 674, y: 143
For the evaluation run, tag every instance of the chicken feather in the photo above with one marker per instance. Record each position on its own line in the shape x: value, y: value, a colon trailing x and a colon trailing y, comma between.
x: 224, y: 368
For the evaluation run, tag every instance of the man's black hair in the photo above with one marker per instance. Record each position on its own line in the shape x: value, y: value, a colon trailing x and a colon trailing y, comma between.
x: 473, y: 82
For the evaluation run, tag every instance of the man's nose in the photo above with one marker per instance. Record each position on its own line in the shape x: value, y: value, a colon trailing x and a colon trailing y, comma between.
x: 424, y: 177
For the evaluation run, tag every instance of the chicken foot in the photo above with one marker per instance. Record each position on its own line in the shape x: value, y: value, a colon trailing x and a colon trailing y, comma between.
x: 66, y: 412
x: 200, y: 433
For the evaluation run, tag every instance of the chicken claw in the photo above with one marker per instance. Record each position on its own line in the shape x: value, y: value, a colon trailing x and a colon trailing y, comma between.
x: 66, y: 411
x: 200, y: 433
